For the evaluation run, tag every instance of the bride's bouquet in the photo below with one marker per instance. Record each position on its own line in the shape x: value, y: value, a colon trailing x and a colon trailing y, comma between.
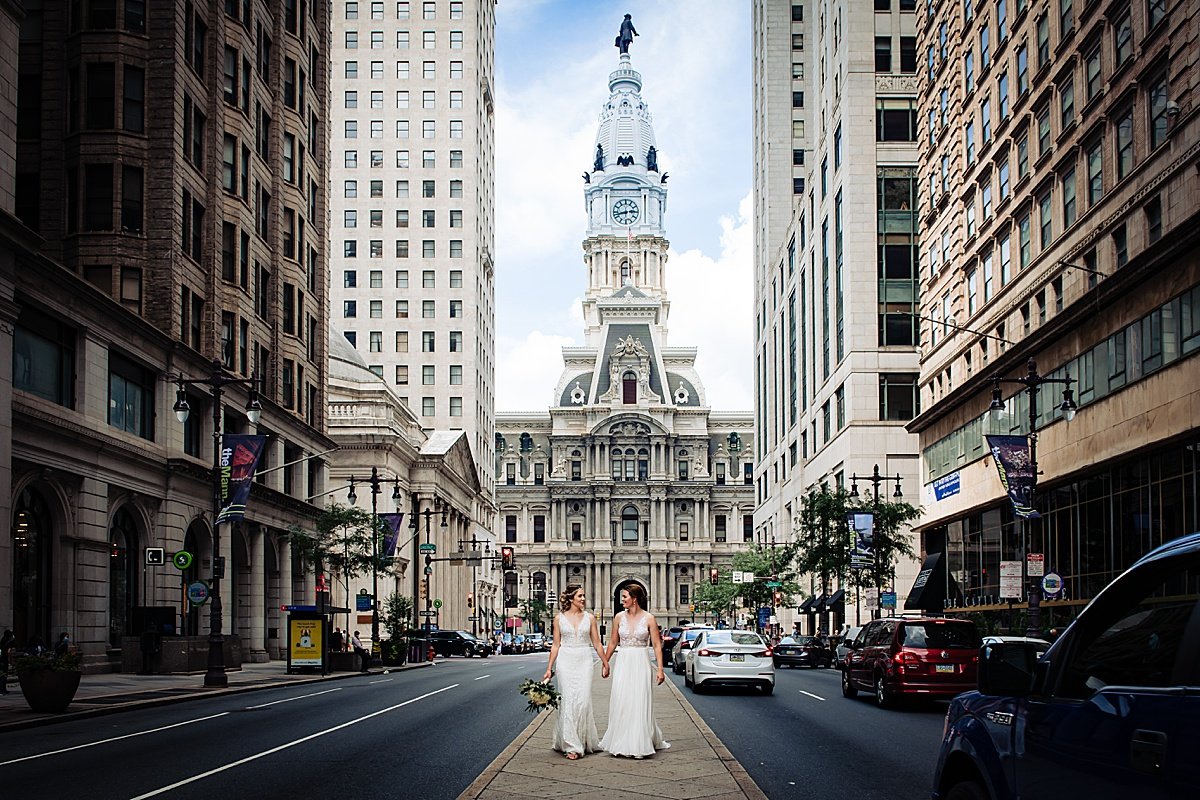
x: 542, y: 695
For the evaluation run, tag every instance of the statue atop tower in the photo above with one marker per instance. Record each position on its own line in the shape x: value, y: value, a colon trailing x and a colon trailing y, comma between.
x: 625, y: 37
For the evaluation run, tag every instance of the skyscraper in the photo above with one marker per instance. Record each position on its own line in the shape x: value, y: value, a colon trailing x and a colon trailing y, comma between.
x: 412, y: 231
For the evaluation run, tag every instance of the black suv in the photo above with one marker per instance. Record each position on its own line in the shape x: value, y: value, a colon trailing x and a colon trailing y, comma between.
x: 458, y: 643
x: 1111, y: 711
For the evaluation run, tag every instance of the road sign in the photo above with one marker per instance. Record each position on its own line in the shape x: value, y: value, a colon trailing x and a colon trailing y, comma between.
x: 737, y: 576
x: 1010, y: 580
x: 747, y: 577
x: 498, y: 625
x: 182, y: 560
x: 888, y: 599
x: 1052, y: 584
x: 1037, y: 564
x: 155, y: 556
x: 427, y: 547
x: 437, y: 603
x: 428, y: 613
x: 774, y: 584
x: 197, y: 593
x: 764, y: 617
x: 472, y: 618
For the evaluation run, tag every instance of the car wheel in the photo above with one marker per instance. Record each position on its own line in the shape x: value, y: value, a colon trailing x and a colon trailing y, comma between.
x: 848, y: 689
x: 967, y: 790
x: 768, y: 688
x: 775, y: 663
x: 698, y: 688
x: 883, y: 696
x: 687, y: 681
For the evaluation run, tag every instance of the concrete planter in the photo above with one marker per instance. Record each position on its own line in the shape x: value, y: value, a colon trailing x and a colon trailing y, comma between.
x: 49, y: 691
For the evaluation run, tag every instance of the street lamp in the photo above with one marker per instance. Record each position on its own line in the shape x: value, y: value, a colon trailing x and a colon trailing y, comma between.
x: 875, y: 479
x: 374, y: 482
x: 1032, y: 381
x: 217, y: 381
x: 428, y: 514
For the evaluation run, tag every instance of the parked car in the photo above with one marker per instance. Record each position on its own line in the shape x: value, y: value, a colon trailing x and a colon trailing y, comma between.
x: 686, y: 638
x: 512, y: 643
x: 849, y: 636
x: 729, y: 658
x: 535, y: 642
x: 458, y: 643
x: 1108, y: 711
x: 669, y: 638
x: 923, y: 657
x: 800, y: 651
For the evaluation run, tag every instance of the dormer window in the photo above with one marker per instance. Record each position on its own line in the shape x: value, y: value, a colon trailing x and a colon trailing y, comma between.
x: 629, y: 388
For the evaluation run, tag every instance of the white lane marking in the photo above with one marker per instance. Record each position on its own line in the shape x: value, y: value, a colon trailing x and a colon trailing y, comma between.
x: 481, y: 677
x: 286, y: 745
x: 810, y: 694
x: 290, y: 699
x: 113, y: 739
x: 382, y: 680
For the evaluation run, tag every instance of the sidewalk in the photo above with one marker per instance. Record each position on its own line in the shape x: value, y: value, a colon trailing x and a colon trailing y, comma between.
x: 697, y: 765
x: 106, y: 693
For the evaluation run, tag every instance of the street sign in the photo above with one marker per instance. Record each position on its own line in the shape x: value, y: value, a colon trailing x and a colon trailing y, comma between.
x: 764, y: 617
x: 1052, y: 584
x: 427, y: 547
x: 738, y: 575
x: 774, y: 584
x: 1010, y: 580
x: 437, y: 603
x: 472, y: 618
x: 155, y: 556
x: 1037, y: 564
x: 889, y: 599
x: 197, y: 593
x: 182, y: 560
x: 428, y: 613
x: 497, y: 625
x: 362, y: 602
x: 747, y: 577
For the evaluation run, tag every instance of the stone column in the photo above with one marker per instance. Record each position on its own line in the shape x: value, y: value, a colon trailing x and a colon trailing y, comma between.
x: 255, y: 643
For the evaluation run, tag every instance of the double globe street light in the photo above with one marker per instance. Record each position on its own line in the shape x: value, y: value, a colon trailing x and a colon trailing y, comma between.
x: 352, y: 497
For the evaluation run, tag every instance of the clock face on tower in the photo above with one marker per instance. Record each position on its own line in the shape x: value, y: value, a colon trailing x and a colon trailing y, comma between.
x: 625, y: 211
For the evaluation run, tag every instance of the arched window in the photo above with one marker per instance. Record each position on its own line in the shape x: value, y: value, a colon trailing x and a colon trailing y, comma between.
x: 643, y: 464
x: 624, y: 272
x: 616, y: 464
x: 629, y: 525
x: 32, y: 560
x: 629, y: 388
x: 122, y: 576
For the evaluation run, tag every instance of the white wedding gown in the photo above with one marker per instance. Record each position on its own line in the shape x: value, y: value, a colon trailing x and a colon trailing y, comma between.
x: 576, y: 728
x: 632, y: 729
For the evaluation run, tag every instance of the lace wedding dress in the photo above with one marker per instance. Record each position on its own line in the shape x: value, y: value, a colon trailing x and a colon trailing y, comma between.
x: 576, y: 728
x: 632, y: 730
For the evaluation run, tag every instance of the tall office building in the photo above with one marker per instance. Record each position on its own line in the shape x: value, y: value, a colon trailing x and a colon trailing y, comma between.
x: 1060, y: 202
x: 412, y: 228
x: 170, y: 177
x: 630, y: 477
x: 836, y: 229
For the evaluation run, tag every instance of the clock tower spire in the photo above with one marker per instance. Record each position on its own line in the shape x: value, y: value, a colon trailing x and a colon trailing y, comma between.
x: 625, y: 197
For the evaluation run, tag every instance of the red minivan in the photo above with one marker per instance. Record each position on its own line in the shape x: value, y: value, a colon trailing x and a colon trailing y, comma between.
x: 926, y: 657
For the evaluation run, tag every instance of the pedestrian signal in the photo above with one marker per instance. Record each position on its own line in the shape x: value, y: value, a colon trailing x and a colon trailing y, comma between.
x: 506, y: 557
x: 713, y: 576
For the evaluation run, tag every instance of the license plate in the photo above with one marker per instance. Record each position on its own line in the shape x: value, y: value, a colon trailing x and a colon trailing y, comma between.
x: 737, y: 657
x: 944, y: 668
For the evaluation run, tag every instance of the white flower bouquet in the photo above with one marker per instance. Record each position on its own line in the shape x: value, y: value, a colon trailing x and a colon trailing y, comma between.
x: 542, y: 695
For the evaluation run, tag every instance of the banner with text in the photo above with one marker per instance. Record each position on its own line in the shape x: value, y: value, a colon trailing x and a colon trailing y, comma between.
x: 391, y: 524
x: 1015, y: 466
x: 239, y: 459
x: 862, y: 532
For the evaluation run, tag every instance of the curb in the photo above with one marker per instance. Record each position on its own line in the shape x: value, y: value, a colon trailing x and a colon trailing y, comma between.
x: 200, y: 694
x: 498, y: 764
x: 740, y: 776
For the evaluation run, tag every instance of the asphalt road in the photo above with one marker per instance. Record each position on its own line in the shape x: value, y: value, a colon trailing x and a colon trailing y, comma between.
x: 807, y: 741
x: 424, y: 733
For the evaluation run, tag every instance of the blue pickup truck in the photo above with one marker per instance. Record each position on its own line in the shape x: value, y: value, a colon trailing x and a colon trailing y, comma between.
x: 1111, y: 710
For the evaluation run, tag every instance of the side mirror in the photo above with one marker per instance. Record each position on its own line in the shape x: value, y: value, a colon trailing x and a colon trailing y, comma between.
x: 1007, y: 669
x: 685, y: 645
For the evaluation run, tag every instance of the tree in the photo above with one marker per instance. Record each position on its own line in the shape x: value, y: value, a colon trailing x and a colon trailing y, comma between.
x: 534, y: 611
x: 397, y: 615
x: 768, y: 564
x: 341, y: 542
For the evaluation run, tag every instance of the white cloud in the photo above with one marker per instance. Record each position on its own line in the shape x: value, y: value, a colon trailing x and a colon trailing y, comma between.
x: 527, y: 370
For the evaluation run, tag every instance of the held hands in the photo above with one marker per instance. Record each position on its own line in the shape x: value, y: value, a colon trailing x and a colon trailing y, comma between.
x: 604, y: 670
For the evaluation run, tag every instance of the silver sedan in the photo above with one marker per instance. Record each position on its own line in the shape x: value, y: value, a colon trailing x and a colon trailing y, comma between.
x: 729, y: 658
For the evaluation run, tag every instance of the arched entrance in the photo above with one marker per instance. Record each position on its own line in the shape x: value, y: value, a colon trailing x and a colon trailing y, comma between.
x: 191, y: 543
x: 32, y: 567
x: 122, y: 576
x: 620, y: 586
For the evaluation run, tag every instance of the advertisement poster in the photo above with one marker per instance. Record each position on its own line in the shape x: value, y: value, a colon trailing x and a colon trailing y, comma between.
x: 1015, y: 466
x: 239, y: 459
x: 862, y: 532
x: 305, y: 642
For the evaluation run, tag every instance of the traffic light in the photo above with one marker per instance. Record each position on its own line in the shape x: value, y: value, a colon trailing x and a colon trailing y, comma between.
x: 778, y: 599
x: 470, y: 600
x: 506, y: 557
x: 713, y: 576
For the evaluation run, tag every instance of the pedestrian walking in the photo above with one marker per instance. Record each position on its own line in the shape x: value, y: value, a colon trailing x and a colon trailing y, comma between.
x: 63, y: 645
x: 361, y: 651
x: 7, y: 643
x: 336, y: 644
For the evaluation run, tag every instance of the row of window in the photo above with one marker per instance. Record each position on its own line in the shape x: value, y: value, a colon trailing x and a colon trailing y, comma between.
x: 403, y: 9
x: 403, y: 160
x: 404, y: 70
x: 375, y: 188
x: 629, y: 530
x: 403, y: 128
x: 375, y: 279
x: 428, y: 99
x: 428, y: 309
x: 403, y: 40
x: 375, y: 248
x: 428, y: 341
x: 375, y: 218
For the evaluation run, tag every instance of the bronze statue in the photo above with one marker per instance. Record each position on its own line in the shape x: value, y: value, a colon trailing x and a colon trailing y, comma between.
x: 598, y: 164
x: 625, y: 37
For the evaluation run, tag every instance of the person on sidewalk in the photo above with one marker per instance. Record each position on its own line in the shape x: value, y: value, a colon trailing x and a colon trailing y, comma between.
x: 360, y: 651
x: 335, y: 641
x: 575, y: 636
x: 632, y: 729
x: 7, y: 644
x: 63, y: 645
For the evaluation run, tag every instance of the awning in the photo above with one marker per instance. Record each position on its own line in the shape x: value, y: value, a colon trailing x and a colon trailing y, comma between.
x: 818, y: 605
x: 928, y: 592
x: 836, y: 602
x: 513, y: 622
x: 806, y: 606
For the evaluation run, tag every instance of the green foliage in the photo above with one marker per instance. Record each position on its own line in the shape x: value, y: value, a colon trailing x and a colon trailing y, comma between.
x: 341, y: 543
x: 534, y: 611
x: 397, y: 615
x: 768, y: 564
x: 68, y: 662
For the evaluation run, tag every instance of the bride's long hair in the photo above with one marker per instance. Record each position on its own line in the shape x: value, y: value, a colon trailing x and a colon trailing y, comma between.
x: 638, y: 594
x: 568, y: 596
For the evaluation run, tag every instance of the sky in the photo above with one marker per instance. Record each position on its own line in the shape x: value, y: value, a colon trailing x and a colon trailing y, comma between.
x: 553, y: 58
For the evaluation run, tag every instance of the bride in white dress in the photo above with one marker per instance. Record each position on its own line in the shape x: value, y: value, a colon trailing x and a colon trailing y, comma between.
x: 632, y: 729
x: 575, y: 637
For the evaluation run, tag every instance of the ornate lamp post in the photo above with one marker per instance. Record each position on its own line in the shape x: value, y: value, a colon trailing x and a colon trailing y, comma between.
x: 875, y: 479
x: 374, y: 482
x: 1032, y: 381
x: 217, y: 381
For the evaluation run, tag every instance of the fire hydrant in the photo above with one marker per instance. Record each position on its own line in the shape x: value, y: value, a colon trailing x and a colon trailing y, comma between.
x: 431, y: 652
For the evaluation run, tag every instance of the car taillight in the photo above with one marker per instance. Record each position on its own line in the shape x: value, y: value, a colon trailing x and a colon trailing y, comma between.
x: 706, y: 653
x: 761, y: 653
x: 906, y: 659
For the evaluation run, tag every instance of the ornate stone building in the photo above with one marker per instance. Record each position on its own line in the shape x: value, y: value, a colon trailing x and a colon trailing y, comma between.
x: 630, y: 477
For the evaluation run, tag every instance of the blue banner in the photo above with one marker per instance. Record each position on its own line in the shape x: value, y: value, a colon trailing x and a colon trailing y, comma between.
x: 946, y: 486
x: 392, y: 523
x: 239, y: 460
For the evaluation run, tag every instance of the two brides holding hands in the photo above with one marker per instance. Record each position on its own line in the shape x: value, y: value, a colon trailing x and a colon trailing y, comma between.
x: 635, y: 668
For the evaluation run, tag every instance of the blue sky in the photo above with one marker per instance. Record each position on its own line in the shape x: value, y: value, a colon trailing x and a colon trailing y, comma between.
x: 553, y: 58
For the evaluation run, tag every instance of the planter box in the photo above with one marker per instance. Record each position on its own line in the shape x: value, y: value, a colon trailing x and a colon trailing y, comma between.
x: 48, y: 691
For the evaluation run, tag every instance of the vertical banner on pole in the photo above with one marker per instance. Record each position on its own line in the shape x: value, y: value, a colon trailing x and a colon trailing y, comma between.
x: 391, y: 523
x: 862, y: 532
x: 1015, y: 466
x: 240, y: 453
